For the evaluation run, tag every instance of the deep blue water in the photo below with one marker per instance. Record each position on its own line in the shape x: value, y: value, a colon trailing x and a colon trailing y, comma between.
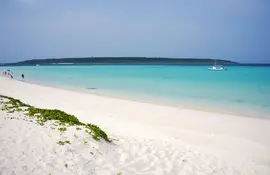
x: 243, y: 90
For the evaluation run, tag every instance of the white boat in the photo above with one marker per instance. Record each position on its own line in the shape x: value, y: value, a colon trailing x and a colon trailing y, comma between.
x: 217, y: 68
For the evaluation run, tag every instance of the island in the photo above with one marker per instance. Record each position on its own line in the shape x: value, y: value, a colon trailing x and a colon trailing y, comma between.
x: 121, y: 61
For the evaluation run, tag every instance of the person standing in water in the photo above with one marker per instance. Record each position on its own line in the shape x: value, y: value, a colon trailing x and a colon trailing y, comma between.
x: 23, y: 76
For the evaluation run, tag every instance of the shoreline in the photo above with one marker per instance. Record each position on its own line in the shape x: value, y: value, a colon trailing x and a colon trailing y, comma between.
x: 180, y: 105
x: 238, y: 143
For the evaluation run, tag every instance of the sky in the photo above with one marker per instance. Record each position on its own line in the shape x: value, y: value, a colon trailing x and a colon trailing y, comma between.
x: 235, y: 30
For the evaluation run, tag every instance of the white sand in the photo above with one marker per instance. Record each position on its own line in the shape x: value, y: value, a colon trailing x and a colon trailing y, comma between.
x: 152, y: 139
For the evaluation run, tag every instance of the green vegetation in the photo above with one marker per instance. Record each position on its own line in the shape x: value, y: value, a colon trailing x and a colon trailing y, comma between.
x: 54, y: 114
x: 63, y: 142
x: 18, y: 110
x: 62, y: 129
x: 96, y: 132
x: 44, y: 115
x: 122, y: 60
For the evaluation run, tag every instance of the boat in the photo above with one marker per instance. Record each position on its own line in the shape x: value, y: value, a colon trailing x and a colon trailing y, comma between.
x: 217, y: 68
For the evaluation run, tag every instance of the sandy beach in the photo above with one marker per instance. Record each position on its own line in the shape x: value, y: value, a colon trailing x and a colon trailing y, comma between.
x: 147, y: 138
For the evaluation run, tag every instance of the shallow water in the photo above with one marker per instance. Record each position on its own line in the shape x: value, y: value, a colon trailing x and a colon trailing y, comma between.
x: 243, y: 90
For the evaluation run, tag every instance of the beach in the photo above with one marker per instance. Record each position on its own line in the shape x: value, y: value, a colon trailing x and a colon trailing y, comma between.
x: 147, y: 138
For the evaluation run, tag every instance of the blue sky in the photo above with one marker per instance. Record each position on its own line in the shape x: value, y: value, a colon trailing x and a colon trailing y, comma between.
x: 221, y: 29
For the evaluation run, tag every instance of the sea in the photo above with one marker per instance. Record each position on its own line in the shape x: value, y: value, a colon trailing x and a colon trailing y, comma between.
x: 241, y: 90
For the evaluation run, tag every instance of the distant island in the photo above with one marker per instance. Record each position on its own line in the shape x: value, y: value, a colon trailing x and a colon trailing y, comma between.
x: 121, y: 61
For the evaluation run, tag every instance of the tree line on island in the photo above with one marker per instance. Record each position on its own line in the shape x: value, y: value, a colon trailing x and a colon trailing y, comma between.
x: 123, y: 60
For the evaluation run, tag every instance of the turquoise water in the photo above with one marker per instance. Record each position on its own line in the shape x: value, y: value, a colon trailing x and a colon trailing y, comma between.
x: 242, y: 90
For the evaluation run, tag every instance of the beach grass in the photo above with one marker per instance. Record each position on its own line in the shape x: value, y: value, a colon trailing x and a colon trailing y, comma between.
x: 44, y: 115
x: 63, y: 142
